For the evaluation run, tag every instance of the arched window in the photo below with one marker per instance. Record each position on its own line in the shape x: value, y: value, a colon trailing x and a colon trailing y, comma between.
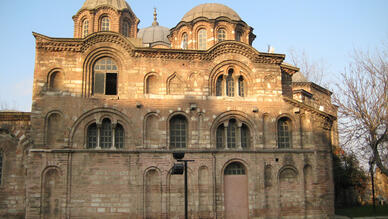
x: 152, y: 85
x: 245, y: 136
x: 220, y: 136
x: 202, y: 38
x: 221, y: 35
x: 178, y: 132
x: 119, y: 136
x: 284, y: 133
x: 105, y: 77
x: 219, y: 85
x: 241, y: 91
x: 235, y: 168
x: 238, y: 36
x: 105, y: 24
x: 230, y: 83
x: 1, y: 167
x: 85, y: 28
x: 92, y: 136
x: 125, y: 28
x: 185, y: 41
x: 106, y: 136
x: 56, y: 81
x: 235, y: 135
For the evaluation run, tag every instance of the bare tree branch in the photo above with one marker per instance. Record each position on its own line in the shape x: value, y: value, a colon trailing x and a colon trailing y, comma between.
x: 363, y: 104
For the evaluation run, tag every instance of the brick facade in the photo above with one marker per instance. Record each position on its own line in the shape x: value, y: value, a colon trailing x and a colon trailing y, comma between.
x: 67, y: 177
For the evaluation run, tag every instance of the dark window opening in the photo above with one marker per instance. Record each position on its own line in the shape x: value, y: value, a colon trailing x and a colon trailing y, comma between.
x: 284, y: 133
x: 219, y: 86
x: 235, y: 168
x: 178, y: 132
x: 111, y: 84
x: 220, y: 136
x: 92, y: 136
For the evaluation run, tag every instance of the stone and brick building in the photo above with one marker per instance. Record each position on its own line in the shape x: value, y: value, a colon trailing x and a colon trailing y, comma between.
x: 112, y: 104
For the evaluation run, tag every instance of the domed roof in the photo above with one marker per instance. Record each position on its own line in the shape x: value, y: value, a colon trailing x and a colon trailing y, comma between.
x: 299, y: 77
x: 155, y: 33
x: 116, y: 4
x: 211, y: 11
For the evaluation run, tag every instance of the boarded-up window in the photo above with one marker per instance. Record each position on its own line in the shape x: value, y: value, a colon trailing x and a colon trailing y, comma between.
x: 152, y: 131
x: 153, y: 197
x: 290, y: 195
x: 176, y: 86
x: 51, y: 206
x: 236, y: 191
x: 204, y: 192
x: 56, y: 81
x: 152, y: 85
x: 55, y: 132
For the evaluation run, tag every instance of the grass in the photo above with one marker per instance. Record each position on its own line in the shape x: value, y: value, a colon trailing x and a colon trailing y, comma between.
x: 363, y: 211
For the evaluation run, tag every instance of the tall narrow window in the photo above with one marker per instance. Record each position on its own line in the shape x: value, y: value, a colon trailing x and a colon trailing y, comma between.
x: 219, y: 86
x: 56, y: 81
x: 230, y: 84
x: 221, y: 35
x: 92, y: 136
x: 105, y: 24
x: 220, y: 136
x: 241, y: 86
x: 185, y: 41
x: 238, y: 36
x: 119, y: 136
x: 178, y: 132
x: 202, y: 37
x: 106, y: 134
x: 125, y: 28
x: 1, y: 167
x: 231, y: 133
x: 245, y: 136
x: 284, y: 133
x: 105, y: 77
x: 85, y: 28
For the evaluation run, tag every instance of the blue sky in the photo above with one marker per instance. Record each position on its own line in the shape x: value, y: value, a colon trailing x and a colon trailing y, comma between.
x: 326, y: 30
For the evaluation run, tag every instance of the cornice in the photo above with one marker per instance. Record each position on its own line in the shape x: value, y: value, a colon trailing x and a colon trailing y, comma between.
x: 199, y: 19
x: 310, y: 109
x: 315, y: 86
x: 225, y: 47
x: 289, y: 69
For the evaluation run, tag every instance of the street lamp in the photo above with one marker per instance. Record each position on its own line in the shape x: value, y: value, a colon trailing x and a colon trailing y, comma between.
x: 179, y: 169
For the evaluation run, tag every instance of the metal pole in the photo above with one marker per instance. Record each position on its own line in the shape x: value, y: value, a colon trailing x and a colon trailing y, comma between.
x: 186, y: 202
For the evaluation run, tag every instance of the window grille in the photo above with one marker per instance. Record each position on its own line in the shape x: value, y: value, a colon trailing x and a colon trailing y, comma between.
x: 241, y: 86
x: 219, y: 86
x: 230, y: 84
x: 245, y: 136
x: 220, y: 136
x: 284, y: 133
x: 235, y: 168
x: 85, y: 28
x: 92, y: 136
x: 105, y: 24
x: 105, y: 76
x: 106, y: 134
x: 221, y: 35
x: 178, y: 132
x: 185, y: 41
x: 119, y: 136
x: 231, y: 134
x: 202, y: 39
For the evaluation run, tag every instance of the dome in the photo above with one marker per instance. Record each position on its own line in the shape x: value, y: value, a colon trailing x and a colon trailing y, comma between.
x: 116, y: 4
x: 299, y: 77
x: 211, y: 11
x: 154, y: 34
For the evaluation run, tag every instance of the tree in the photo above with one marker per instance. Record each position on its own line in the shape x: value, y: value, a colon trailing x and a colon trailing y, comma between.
x: 362, y: 101
x: 313, y: 70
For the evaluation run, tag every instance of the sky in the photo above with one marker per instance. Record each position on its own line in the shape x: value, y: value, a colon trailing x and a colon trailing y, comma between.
x: 327, y: 31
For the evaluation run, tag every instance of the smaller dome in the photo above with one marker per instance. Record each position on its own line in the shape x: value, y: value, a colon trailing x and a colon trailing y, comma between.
x: 211, y: 11
x: 116, y: 4
x: 299, y: 77
x: 154, y: 34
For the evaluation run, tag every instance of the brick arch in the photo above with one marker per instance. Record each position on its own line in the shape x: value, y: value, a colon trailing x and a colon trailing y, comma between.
x: 146, y: 84
x: 239, y: 116
x: 146, y: 141
x: 91, y: 58
x: 222, y: 69
x: 48, y: 129
x: 189, y: 127
x: 52, y: 74
x: 170, y: 85
x: 96, y: 115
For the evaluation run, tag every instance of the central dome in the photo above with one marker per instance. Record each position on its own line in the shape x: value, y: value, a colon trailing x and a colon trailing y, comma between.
x: 116, y: 4
x: 211, y: 11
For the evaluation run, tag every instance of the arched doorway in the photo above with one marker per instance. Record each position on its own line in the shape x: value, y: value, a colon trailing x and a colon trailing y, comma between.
x: 236, y: 191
